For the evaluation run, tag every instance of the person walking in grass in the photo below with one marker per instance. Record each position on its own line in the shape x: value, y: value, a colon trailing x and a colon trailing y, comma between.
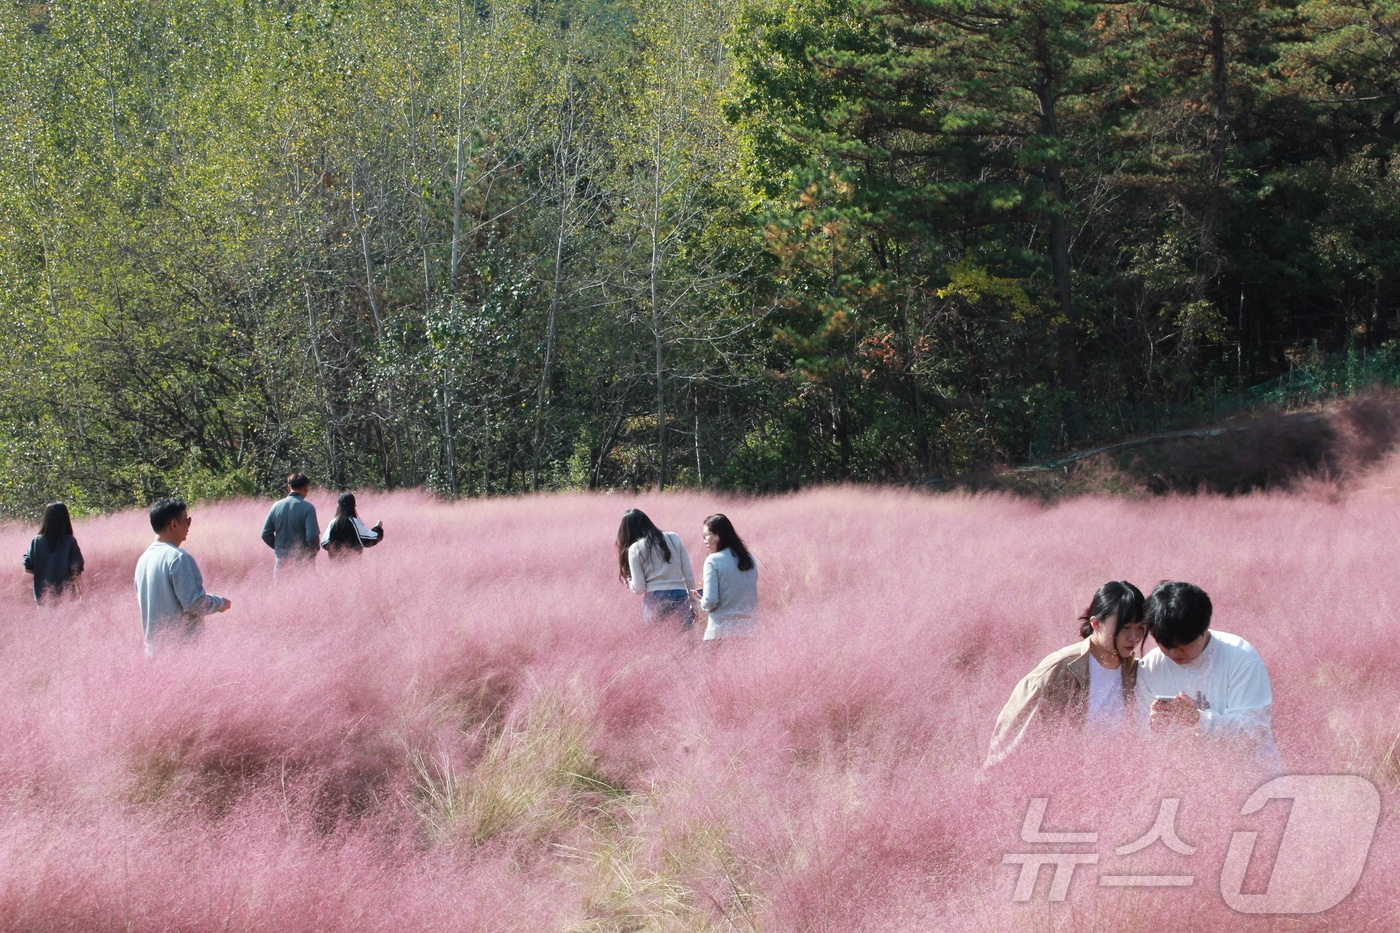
x: 291, y: 529
x: 655, y: 563
x: 346, y: 535
x: 169, y: 586
x: 730, y: 590
x: 54, y: 558
x: 1088, y: 686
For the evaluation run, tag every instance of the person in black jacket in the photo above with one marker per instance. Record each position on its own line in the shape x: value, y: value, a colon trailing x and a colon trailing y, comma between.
x: 346, y: 534
x: 54, y: 558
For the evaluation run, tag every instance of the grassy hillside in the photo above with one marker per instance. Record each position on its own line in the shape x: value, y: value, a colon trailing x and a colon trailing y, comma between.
x: 1335, y: 443
x: 470, y: 730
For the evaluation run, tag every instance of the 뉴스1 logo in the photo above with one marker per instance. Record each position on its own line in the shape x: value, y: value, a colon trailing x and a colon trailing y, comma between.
x: 1319, y: 861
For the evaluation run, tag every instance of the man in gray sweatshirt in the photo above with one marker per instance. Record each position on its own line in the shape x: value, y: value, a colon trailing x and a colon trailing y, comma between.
x: 169, y: 586
x: 291, y: 529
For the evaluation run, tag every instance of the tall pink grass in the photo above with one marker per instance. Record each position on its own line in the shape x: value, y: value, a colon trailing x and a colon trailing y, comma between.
x: 469, y: 728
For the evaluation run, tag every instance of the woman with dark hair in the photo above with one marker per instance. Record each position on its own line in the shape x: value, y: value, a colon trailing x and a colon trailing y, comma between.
x: 730, y: 593
x: 346, y: 535
x: 1087, y: 686
x: 54, y: 557
x: 655, y: 563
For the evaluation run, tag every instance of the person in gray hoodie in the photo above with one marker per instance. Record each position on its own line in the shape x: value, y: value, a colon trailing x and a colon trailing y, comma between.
x: 291, y: 529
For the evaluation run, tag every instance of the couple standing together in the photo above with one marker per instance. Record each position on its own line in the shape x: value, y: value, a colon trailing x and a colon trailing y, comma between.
x: 655, y: 563
x: 291, y: 529
x: 1197, y: 682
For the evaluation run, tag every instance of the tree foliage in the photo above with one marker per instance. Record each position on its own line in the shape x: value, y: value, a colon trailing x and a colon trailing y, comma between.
x: 491, y: 247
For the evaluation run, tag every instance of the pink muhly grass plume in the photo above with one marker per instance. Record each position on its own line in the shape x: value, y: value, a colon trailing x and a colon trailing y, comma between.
x: 469, y: 727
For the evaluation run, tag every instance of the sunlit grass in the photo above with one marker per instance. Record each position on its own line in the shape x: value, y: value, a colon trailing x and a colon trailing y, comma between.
x: 469, y: 728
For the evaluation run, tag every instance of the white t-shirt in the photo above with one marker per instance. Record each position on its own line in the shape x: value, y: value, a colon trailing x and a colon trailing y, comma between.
x: 1229, y: 684
x: 1107, y: 710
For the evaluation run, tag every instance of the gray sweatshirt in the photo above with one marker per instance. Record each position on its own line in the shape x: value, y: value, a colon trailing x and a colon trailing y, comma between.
x: 291, y: 529
x: 730, y: 596
x: 170, y: 591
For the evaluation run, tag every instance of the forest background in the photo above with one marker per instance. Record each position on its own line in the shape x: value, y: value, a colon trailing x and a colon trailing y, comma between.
x: 493, y: 247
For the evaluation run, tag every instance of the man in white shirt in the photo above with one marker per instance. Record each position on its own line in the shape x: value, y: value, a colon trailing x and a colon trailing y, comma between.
x: 1212, y: 685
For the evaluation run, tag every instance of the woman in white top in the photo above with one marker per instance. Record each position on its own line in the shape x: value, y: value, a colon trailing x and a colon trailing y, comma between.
x: 655, y: 563
x: 1087, y: 686
x: 730, y: 594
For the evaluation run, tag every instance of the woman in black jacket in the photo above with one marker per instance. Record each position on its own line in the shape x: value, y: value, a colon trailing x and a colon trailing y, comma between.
x: 346, y: 534
x: 54, y: 558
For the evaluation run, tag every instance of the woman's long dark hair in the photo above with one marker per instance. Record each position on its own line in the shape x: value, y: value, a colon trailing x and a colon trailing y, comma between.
x: 1116, y: 597
x: 636, y: 526
x: 722, y: 528
x: 56, y: 524
x: 345, y: 507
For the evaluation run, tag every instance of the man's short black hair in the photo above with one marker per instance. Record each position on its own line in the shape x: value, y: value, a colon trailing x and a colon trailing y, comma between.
x: 297, y: 481
x: 1177, y: 614
x: 166, y: 511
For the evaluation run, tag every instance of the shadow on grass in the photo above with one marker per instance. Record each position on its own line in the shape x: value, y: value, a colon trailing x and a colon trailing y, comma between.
x: 1270, y: 451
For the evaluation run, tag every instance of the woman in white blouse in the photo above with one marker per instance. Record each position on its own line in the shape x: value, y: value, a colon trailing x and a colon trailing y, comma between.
x: 730, y: 592
x: 655, y: 563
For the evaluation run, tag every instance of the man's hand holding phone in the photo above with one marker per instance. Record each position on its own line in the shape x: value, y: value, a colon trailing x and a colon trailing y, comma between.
x: 1169, y: 711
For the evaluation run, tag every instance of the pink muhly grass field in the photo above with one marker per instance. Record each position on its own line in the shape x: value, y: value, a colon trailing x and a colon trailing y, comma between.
x: 469, y: 728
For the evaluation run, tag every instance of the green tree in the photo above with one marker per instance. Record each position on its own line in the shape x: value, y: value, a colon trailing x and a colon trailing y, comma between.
x: 674, y: 175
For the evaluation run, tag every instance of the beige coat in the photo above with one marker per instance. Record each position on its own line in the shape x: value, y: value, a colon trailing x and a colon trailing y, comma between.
x: 1055, y: 693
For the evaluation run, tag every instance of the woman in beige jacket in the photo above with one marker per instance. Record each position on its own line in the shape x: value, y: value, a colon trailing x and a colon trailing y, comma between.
x: 1088, y: 685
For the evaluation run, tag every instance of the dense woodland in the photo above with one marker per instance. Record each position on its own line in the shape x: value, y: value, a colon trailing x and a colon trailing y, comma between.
x: 491, y: 247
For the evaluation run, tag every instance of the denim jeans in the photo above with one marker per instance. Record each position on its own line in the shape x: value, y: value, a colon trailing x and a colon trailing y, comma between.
x: 660, y: 606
